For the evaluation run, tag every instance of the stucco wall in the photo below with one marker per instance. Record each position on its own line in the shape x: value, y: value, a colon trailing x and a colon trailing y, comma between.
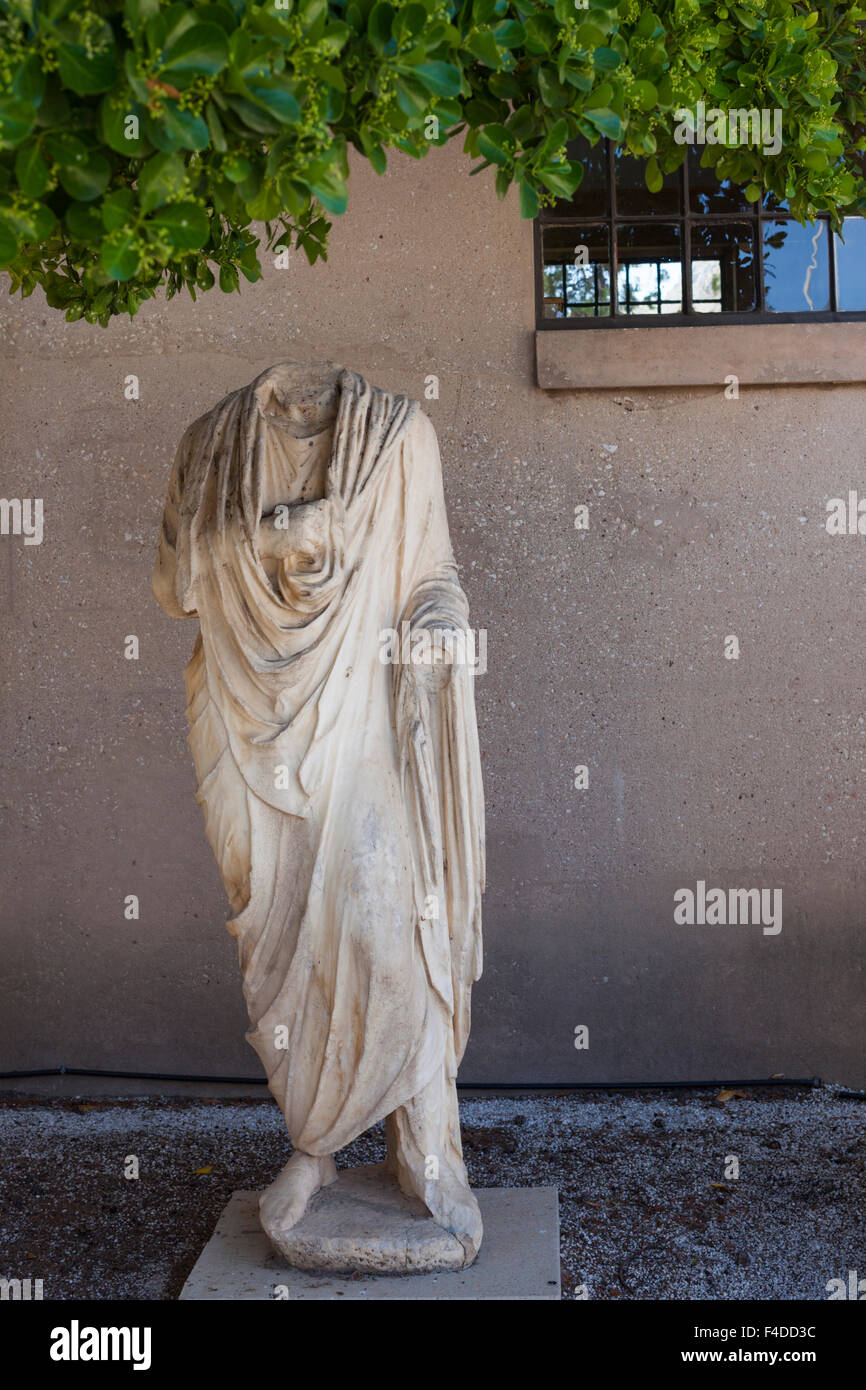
x: 605, y: 648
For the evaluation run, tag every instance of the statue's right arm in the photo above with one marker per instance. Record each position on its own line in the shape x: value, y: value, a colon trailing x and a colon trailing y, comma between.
x: 164, y: 582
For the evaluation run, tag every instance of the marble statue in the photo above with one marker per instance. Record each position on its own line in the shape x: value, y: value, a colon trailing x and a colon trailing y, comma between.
x: 340, y: 781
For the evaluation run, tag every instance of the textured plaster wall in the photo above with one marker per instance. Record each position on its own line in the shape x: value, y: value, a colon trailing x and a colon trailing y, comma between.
x: 605, y: 648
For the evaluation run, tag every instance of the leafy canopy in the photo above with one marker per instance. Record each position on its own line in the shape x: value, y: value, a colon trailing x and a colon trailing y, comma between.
x: 140, y: 140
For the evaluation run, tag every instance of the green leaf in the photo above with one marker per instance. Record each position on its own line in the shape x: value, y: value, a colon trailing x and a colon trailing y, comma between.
x: 442, y: 78
x: 295, y: 195
x: 409, y: 21
x: 120, y: 256
x: 17, y: 119
x: 578, y: 80
x: 251, y: 273
x: 84, y: 222
x: 331, y: 76
x: 138, y: 12
x: 311, y: 12
x: 483, y: 45
x: 187, y: 225
x: 254, y: 117
x: 116, y: 209
x: 482, y: 111
x: 542, y: 33
x: 559, y: 179
x: 215, y: 126
x: 606, y: 121
x: 86, y: 178
x: 161, y: 177
x: 374, y: 152
x: 228, y: 279
x: 29, y: 82
x: 509, y: 34
x: 505, y: 86
x: 188, y: 130
x: 411, y: 96
x: 648, y: 25
x: 528, y: 201
x: 266, y: 204
x: 83, y: 72
x: 553, y: 140
x: 522, y: 123
x: 379, y: 26
x: 602, y: 95
x: 66, y: 149
x: 589, y: 36
x: 236, y: 168
x: 31, y: 225
x: 330, y: 189
x: 606, y: 59
x: 31, y: 171
x: 279, y: 101
x: 495, y: 143
x: 645, y: 94
x: 8, y: 244
x: 553, y: 93
x: 653, y: 175
x: 201, y: 51
x: 114, y: 116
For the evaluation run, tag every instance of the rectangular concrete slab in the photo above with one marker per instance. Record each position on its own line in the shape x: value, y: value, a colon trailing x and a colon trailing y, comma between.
x: 519, y: 1258
x: 770, y: 354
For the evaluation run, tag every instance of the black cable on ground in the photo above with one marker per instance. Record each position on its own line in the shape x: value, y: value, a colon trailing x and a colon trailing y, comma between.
x: 463, y: 1085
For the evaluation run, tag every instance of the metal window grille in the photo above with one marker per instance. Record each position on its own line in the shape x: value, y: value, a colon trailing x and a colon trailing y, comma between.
x: 612, y: 311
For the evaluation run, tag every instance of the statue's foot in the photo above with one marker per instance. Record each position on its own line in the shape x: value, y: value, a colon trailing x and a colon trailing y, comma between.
x: 450, y: 1201
x: 282, y: 1205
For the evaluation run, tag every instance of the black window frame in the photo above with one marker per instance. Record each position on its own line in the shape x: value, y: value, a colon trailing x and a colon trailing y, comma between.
x: 685, y: 218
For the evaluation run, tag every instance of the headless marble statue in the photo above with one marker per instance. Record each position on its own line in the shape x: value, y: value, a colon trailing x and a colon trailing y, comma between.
x: 341, y: 788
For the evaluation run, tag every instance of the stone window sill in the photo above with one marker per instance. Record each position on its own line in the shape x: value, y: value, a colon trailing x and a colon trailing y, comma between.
x: 761, y: 354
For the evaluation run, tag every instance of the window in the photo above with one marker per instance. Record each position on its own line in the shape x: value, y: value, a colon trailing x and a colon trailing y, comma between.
x: 694, y: 252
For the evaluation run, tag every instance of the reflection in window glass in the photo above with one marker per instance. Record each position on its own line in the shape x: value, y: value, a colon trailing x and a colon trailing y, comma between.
x: 706, y: 286
x: 796, y: 267
x: 633, y: 198
x: 649, y: 277
x: 707, y: 194
x: 590, y: 200
x: 730, y: 248
x: 772, y: 203
x: 576, y: 274
x: 851, y: 265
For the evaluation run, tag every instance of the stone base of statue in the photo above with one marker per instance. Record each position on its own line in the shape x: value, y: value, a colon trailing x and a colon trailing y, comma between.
x: 365, y: 1224
x: 379, y: 1237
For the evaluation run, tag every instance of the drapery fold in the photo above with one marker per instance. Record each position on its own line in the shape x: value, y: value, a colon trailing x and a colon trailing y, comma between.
x: 342, y: 797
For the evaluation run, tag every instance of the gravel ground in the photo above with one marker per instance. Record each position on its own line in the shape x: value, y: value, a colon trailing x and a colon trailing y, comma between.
x: 648, y: 1208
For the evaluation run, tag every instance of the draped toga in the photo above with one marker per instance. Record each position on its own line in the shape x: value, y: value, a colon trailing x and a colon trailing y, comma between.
x: 341, y: 793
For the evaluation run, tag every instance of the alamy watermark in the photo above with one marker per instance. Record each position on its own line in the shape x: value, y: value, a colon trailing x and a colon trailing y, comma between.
x: 735, y: 127
x: 77, y: 1343
x: 846, y: 518
x: 426, y: 647
x: 729, y: 907
x: 22, y: 516
x: 855, y: 1288
x: 20, y: 1290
